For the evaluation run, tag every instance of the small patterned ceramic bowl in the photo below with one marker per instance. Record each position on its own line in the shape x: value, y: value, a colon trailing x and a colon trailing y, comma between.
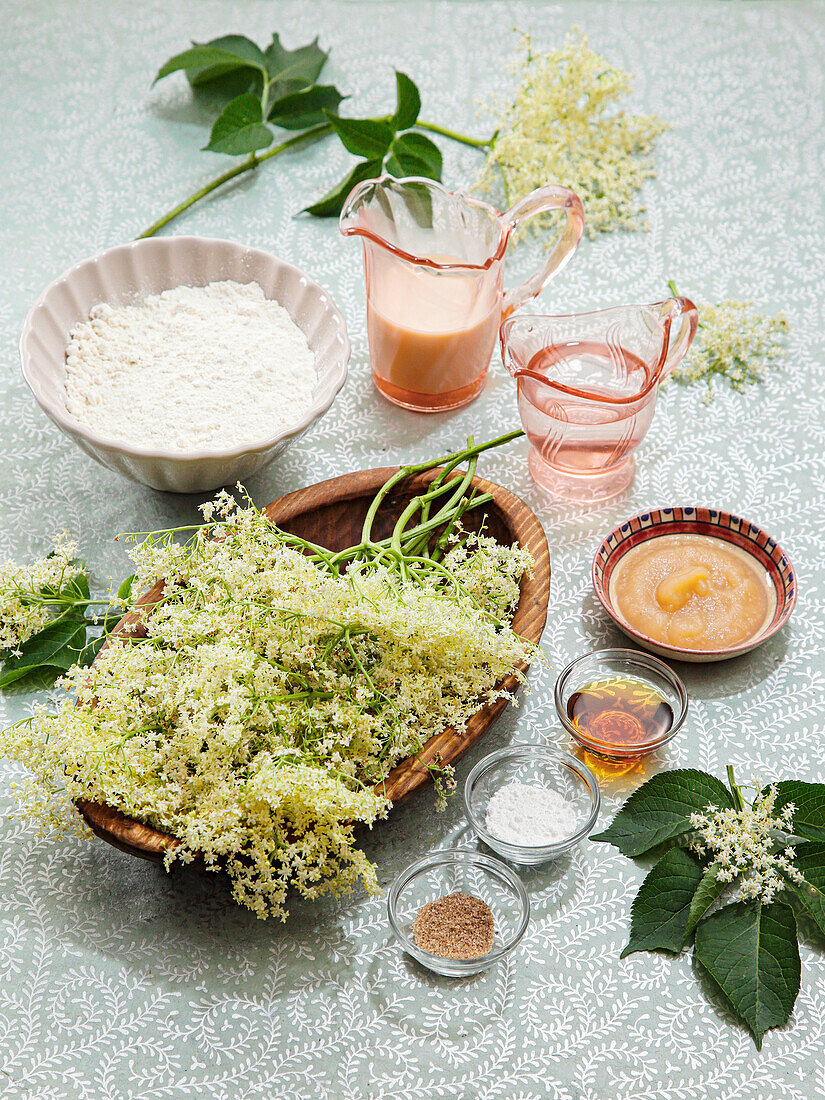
x: 699, y: 521
x: 459, y: 870
x: 131, y: 272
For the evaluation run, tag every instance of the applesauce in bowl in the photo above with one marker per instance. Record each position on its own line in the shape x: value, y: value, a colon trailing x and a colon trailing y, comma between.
x: 694, y: 584
x: 692, y: 591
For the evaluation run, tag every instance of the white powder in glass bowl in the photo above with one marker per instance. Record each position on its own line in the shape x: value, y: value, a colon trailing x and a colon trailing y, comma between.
x: 529, y: 815
x: 194, y: 368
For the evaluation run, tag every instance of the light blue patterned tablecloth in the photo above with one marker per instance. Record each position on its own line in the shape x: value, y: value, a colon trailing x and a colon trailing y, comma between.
x: 118, y: 981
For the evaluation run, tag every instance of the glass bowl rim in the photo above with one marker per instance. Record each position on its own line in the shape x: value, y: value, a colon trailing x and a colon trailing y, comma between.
x: 442, y: 857
x: 529, y: 749
x: 639, y: 657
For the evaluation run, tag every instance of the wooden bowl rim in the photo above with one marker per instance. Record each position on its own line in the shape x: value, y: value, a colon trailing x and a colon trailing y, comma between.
x: 130, y: 835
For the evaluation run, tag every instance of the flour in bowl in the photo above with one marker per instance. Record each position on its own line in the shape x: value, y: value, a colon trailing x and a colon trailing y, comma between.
x: 530, y: 815
x: 196, y: 367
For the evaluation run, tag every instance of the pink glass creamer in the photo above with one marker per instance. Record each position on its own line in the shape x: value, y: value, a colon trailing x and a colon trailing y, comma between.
x: 587, y: 387
x: 434, y: 265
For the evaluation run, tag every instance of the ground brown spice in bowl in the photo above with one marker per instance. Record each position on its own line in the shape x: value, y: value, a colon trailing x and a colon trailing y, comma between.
x: 458, y: 926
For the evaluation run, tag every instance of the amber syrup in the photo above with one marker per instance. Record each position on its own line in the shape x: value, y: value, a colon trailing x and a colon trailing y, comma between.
x: 620, y: 718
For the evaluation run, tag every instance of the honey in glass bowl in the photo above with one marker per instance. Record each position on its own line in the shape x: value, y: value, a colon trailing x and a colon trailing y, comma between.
x: 619, y: 703
x: 620, y: 715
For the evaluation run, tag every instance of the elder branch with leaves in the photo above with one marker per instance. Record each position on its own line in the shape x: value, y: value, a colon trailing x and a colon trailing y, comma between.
x: 257, y: 90
x: 731, y: 876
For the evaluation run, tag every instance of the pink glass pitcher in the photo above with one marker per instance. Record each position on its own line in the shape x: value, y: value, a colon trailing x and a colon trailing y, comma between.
x: 434, y: 267
x: 587, y: 386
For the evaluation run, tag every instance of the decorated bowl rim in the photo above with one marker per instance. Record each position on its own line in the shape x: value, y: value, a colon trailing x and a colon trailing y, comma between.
x: 749, y: 537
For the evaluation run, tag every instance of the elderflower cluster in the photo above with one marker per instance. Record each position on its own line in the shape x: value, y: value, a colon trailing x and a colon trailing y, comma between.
x: 735, y: 341
x: 489, y: 572
x: 565, y: 127
x: 744, y: 844
x: 21, y: 586
x: 444, y: 781
x: 261, y: 702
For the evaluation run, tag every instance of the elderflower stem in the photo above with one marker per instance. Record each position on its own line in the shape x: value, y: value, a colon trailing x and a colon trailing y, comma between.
x: 321, y: 130
x: 418, y: 468
x: 256, y: 159
x: 734, y: 789
x: 475, y: 143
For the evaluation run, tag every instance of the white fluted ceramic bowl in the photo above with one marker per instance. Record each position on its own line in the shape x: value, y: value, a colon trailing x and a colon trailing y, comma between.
x: 130, y: 272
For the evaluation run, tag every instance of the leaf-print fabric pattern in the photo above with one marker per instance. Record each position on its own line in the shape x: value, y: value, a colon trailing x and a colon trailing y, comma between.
x: 118, y: 982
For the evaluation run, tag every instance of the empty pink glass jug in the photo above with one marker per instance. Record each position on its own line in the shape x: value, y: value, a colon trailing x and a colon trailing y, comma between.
x: 587, y: 386
x: 434, y: 267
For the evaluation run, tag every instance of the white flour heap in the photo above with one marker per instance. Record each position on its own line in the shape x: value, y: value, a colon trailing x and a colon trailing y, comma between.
x: 526, y: 814
x: 193, y: 368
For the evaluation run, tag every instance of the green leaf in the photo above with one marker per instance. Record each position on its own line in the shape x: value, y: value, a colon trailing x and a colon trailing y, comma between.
x: 125, y: 589
x: 302, y: 65
x: 809, y: 799
x: 330, y: 205
x: 414, y: 155
x: 810, y: 860
x: 80, y: 584
x: 750, y: 951
x: 365, y: 137
x: 298, y: 110
x: 709, y: 889
x: 215, y: 91
x: 408, y: 102
x: 660, y: 912
x: 57, y: 646
x: 207, y: 60
x: 660, y: 810
x: 239, y: 128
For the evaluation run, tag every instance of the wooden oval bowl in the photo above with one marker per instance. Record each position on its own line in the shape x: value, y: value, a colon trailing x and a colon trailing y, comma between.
x: 331, y: 514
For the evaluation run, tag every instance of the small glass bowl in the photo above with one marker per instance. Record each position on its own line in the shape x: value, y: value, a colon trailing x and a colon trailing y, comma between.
x: 459, y: 870
x: 543, y: 766
x: 608, y: 663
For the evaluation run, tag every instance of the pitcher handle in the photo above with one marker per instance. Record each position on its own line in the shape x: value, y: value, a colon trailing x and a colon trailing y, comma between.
x: 680, y: 319
x: 542, y: 199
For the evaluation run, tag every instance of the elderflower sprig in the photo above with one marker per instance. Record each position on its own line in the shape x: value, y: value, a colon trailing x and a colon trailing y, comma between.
x: 733, y: 341
x: 30, y: 593
x: 708, y: 839
x: 747, y: 843
x: 566, y: 125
